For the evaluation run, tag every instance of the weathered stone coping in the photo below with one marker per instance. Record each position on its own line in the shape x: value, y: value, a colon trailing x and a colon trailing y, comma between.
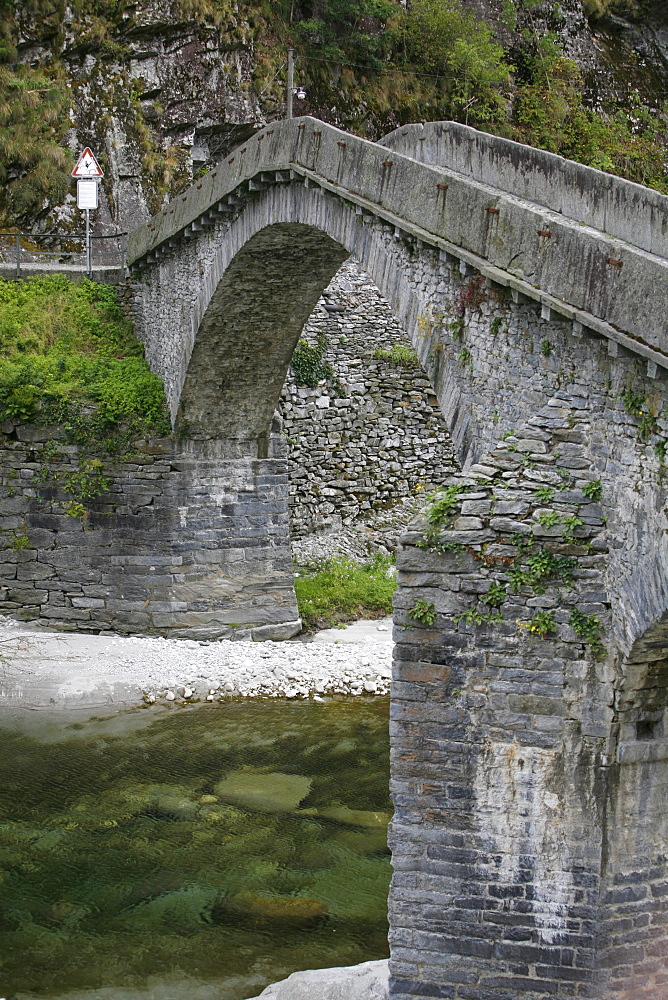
x: 621, y: 208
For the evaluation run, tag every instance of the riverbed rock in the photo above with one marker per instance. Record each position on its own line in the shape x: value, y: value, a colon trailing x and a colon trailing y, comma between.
x: 368, y: 981
x: 350, y: 817
x: 254, y: 908
x: 272, y: 792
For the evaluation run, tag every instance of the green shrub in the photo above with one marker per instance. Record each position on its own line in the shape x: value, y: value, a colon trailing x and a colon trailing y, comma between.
x: 342, y: 590
x: 68, y: 355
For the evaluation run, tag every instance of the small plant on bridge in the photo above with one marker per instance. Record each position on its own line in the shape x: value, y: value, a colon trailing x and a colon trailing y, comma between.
x: 456, y: 328
x: 588, y: 628
x: 571, y: 525
x: 465, y: 358
x: 399, y: 354
x: 548, y: 518
x: 473, y: 616
x: 17, y: 541
x: 444, y: 504
x: 309, y: 366
x: 541, y: 626
x: 423, y: 612
x: 545, y: 494
x: 635, y: 405
x: 593, y: 491
x: 539, y: 568
x: 471, y: 295
x: 495, y: 596
x: 546, y: 348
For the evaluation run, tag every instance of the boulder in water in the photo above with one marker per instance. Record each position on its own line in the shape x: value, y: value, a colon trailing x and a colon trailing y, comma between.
x: 263, y: 792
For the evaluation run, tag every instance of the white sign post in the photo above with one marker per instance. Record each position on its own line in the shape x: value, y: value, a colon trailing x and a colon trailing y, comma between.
x: 87, y: 172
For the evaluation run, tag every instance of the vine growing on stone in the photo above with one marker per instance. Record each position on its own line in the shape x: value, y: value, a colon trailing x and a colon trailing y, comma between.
x: 308, y: 362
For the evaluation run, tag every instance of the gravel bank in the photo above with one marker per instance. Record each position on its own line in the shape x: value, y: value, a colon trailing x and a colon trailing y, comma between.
x: 51, y: 669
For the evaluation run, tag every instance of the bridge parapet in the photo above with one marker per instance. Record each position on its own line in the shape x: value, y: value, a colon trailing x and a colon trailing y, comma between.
x: 627, y: 211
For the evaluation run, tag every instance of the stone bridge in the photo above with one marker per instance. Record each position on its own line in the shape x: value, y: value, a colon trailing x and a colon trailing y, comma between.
x: 529, y: 716
x: 529, y: 719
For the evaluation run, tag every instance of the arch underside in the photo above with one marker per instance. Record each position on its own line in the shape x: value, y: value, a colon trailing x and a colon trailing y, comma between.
x: 249, y: 332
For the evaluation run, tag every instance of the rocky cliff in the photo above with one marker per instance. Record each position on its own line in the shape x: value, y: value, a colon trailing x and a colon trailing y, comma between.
x: 161, y: 89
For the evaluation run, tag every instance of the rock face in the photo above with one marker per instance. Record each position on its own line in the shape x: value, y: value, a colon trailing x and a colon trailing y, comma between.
x: 163, y: 88
x: 159, y: 89
x: 368, y: 981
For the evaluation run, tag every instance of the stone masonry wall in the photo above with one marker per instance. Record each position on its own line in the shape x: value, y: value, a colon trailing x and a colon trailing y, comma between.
x: 529, y: 750
x: 371, y: 434
x: 181, y: 543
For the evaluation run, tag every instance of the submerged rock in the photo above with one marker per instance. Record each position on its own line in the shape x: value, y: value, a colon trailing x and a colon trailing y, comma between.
x: 249, y: 907
x: 368, y: 981
x: 272, y: 792
x: 350, y: 817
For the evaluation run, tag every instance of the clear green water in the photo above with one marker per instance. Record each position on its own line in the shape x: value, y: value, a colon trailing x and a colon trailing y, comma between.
x: 197, y: 853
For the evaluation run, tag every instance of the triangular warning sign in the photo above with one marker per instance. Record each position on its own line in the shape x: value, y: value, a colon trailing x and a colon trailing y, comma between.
x: 87, y: 165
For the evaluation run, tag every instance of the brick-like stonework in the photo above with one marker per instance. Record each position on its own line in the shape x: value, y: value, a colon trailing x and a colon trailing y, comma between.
x: 183, y: 543
x: 529, y: 767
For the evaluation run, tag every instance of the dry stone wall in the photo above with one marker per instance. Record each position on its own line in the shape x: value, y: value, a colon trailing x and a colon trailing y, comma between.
x: 370, y: 436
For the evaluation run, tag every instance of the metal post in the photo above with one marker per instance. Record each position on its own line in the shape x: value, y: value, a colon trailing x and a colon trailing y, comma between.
x: 89, y: 262
x: 291, y: 80
x: 18, y: 255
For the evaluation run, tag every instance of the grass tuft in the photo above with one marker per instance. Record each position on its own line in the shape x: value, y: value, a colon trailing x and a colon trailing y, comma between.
x: 342, y: 590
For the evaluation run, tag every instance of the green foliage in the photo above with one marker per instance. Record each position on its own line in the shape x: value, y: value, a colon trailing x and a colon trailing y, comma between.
x: 457, y: 327
x: 541, y: 626
x: 73, y: 508
x: 342, y: 590
x: 593, y: 490
x: 635, y: 405
x: 34, y: 169
x: 495, y: 325
x: 424, y: 612
x: 538, y: 568
x: 549, y: 112
x: 548, y: 518
x: 399, y: 354
x: 495, y: 596
x: 571, y: 525
x: 69, y: 356
x: 307, y: 362
x: 544, y: 494
x: 589, y: 628
x: 17, y: 541
x: 444, y: 504
x: 465, y: 358
x: 546, y: 348
x: 633, y: 402
x: 472, y: 616
x: 446, y: 39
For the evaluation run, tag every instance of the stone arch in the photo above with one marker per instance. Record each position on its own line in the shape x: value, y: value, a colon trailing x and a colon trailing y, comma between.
x: 288, y: 233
